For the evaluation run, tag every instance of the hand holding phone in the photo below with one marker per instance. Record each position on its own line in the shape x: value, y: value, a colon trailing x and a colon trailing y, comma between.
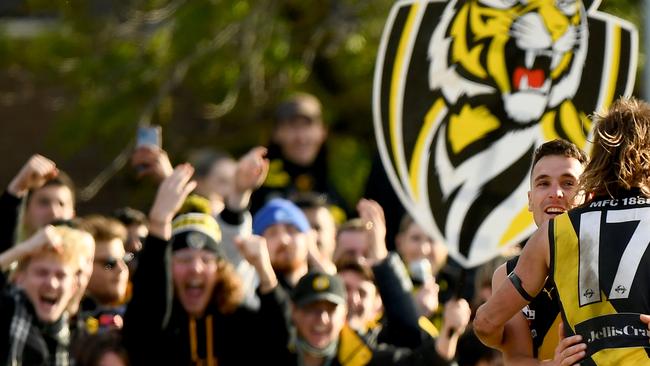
x: 149, y: 159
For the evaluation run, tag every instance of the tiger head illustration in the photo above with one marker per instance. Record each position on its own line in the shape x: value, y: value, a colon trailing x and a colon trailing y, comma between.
x: 501, y: 66
x: 545, y: 42
x: 501, y: 78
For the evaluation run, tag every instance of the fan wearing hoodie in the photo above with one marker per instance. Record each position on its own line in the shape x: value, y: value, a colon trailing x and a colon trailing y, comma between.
x: 187, y: 298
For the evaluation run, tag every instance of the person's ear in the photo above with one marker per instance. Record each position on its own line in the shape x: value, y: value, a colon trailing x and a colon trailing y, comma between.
x: 378, y: 304
x: 324, y: 133
x: 530, y: 203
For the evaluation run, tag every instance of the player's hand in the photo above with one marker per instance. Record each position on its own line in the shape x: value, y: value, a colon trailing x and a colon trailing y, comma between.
x: 646, y: 319
x: 570, y: 350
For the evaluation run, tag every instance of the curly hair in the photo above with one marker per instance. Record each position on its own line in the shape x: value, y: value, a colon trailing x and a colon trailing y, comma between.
x: 620, y: 157
x: 228, y: 292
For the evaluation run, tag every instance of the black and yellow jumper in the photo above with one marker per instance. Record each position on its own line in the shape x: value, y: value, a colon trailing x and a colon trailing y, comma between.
x: 285, y: 179
x: 158, y: 331
x: 600, y: 263
x: 354, y: 350
x: 399, y: 338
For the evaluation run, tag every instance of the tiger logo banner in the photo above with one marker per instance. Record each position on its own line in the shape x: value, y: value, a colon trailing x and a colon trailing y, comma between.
x: 465, y: 90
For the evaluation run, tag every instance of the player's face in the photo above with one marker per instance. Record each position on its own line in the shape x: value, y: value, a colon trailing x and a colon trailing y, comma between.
x: 554, y: 185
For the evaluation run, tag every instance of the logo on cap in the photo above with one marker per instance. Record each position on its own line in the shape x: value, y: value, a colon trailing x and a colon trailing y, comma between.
x: 320, y: 283
x: 196, y: 240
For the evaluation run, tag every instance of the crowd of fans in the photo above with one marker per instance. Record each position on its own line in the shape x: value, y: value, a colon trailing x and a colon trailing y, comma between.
x: 255, y: 261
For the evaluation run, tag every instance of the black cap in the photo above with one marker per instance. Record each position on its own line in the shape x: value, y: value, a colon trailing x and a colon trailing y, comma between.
x: 315, y: 286
x: 301, y: 105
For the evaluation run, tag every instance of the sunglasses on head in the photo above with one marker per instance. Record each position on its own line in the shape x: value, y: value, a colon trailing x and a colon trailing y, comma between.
x: 110, y: 262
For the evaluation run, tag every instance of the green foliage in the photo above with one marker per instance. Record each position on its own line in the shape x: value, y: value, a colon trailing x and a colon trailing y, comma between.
x: 352, y: 158
x: 209, y: 71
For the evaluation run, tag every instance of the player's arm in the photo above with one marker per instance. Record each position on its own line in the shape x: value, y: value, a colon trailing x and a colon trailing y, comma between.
x: 45, y: 237
x: 516, y: 344
x: 511, y: 296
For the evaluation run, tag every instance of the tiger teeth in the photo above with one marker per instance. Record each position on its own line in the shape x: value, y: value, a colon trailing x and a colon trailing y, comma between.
x: 530, y: 59
x: 523, y: 82
x: 555, y: 61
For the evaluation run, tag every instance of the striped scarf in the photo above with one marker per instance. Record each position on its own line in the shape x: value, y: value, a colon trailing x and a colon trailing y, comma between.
x: 22, y: 322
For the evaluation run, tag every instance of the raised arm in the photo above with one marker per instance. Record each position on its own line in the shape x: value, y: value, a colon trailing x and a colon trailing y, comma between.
x: 373, y: 215
x: 45, y: 237
x: 251, y: 172
x: 172, y: 192
x: 254, y: 249
x: 151, y: 161
x: 36, y: 171
x: 317, y: 260
x: 517, y: 343
x: 150, y: 307
x: 455, y: 319
x: 273, y: 331
x: 527, y: 281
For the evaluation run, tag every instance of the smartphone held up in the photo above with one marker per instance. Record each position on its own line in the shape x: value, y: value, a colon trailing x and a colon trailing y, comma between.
x: 148, y: 145
x: 149, y: 136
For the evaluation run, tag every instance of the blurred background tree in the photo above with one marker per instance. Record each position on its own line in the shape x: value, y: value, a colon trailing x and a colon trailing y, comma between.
x: 78, y: 77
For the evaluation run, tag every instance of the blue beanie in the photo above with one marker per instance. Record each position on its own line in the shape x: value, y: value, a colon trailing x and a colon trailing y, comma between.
x: 279, y: 211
